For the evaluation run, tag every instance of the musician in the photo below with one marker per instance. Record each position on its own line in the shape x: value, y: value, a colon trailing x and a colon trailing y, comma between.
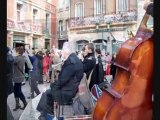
x: 64, y: 89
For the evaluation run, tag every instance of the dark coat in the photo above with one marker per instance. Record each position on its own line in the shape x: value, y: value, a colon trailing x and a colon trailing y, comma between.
x: 66, y: 87
x: 40, y: 63
x: 113, y: 70
x: 10, y: 61
x: 98, y: 73
x: 89, y: 63
x: 40, y: 68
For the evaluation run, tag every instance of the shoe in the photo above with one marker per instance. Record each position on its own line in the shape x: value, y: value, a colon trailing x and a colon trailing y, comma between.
x: 23, y: 83
x: 24, y: 105
x: 42, y: 116
x: 18, y: 106
x: 40, y: 82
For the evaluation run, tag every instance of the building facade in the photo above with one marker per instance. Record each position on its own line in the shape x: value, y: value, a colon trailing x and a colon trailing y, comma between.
x: 32, y: 22
x: 102, y: 22
x: 63, y: 15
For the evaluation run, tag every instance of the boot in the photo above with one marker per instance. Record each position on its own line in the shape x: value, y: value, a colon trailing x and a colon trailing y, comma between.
x: 24, y: 104
x: 17, y: 104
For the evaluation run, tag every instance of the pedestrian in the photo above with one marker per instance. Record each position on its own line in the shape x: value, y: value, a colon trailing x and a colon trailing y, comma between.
x: 98, y: 71
x: 34, y: 74
x: 18, y: 78
x: 50, y: 66
x: 89, y: 61
x: 64, y: 89
x: 40, y: 67
x: 103, y: 58
x: 46, y: 62
x: 113, y: 67
x: 10, y: 61
x: 56, y: 65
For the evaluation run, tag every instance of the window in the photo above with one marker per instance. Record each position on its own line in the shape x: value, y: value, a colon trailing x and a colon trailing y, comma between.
x: 48, y: 1
x: 67, y: 3
x: 80, y: 46
x: 35, y: 15
x: 67, y: 25
x: 99, y: 7
x: 19, y: 10
x: 47, y: 21
x: 35, y: 43
x: 61, y: 4
x: 122, y: 5
x: 60, y: 27
x: 79, y: 10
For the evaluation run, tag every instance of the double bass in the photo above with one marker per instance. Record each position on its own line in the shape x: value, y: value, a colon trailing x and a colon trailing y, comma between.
x: 129, y: 97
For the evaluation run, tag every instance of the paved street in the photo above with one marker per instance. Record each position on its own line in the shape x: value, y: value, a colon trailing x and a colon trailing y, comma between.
x: 26, y: 91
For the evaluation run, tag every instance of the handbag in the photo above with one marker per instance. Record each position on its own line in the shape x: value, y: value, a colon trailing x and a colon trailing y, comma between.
x: 85, y: 100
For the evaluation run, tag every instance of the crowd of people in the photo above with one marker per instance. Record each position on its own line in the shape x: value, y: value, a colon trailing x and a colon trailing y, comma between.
x: 63, y: 70
x: 39, y: 66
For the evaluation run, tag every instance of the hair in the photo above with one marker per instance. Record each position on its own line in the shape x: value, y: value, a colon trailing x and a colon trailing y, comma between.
x: 98, y: 51
x: 107, y: 53
x: 19, y: 50
x: 34, y: 52
x: 83, y: 49
x: 47, y: 53
x: 90, y: 46
x: 68, y: 47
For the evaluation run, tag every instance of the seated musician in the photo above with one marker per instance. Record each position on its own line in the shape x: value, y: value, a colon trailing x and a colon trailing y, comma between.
x: 64, y: 89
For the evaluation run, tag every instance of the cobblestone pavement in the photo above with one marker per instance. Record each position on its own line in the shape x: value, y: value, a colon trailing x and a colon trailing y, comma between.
x: 26, y: 91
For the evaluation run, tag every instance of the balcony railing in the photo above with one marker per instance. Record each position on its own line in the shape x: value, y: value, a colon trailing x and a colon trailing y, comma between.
x: 62, y: 34
x: 46, y: 32
x: 24, y: 26
x: 102, y: 19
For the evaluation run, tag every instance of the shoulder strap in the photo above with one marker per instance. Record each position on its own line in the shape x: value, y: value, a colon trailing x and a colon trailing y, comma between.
x: 20, y: 70
x: 89, y: 79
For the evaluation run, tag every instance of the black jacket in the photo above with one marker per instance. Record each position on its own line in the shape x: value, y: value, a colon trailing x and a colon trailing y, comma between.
x: 66, y: 87
x: 89, y: 63
x: 10, y: 61
x: 113, y: 70
x: 98, y: 73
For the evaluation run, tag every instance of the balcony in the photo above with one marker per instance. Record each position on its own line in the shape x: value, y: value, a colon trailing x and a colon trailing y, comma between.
x: 62, y: 34
x: 46, y: 32
x: 24, y: 26
x: 128, y: 16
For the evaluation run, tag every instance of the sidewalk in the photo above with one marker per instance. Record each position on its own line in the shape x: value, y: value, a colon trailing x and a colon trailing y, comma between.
x: 26, y: 91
